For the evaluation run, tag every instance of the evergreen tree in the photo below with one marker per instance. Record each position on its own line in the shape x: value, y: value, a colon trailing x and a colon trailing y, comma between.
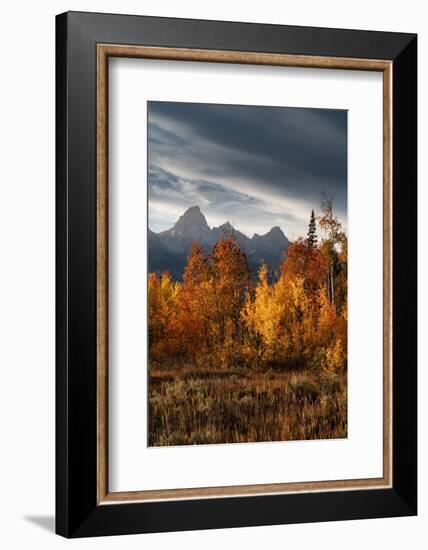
x: 312, y: 235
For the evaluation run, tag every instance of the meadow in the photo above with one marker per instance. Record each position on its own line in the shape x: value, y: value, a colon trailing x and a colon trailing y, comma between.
x: 188, y: 405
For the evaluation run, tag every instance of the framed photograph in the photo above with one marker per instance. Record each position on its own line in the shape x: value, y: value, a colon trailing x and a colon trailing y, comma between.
x: 236, y: 274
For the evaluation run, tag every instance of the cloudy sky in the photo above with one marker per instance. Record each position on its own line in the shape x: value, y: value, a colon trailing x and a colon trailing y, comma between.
x: 256, y: 167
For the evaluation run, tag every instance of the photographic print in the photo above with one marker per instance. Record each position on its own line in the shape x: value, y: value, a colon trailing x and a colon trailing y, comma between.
x: 247, y: 273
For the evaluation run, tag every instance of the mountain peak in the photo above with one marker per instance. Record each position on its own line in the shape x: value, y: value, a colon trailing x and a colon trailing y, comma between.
x: 276, y: 234
x: 190, y: 226
x: 193, y: 215
x: 192, y: 210
x: 276, y: 231
x: 169, y: 249
x: 273, y: 239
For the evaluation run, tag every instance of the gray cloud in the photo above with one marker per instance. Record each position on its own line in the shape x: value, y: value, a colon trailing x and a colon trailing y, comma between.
x: 256, y: 166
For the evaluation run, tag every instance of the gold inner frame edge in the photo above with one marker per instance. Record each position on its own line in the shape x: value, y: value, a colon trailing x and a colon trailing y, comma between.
x: 104, y: 51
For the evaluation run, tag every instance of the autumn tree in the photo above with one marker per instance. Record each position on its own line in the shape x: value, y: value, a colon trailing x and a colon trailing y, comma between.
x: 296, y: 259
x: 335, y: 237
x: 196, y: 270
x: 189, y: 326
x: 231, y: 279
x: 262, y: 315
x: 331, y: 335
x: 341, y: 282
x: 218, y: 317
x: 162, y: 294
x: 304, y: 262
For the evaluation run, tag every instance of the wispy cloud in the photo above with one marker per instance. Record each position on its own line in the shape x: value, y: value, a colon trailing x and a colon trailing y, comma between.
x: 254, y: 166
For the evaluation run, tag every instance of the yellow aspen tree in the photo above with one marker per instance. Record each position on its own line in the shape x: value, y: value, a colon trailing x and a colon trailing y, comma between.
x: 262, y: 316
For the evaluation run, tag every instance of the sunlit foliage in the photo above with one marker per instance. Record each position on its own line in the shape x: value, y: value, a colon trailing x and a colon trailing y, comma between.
x: 217, y: 314
x: 218, y: 321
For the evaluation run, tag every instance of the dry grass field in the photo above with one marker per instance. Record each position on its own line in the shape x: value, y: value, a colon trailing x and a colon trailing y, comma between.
x: 190, y: 406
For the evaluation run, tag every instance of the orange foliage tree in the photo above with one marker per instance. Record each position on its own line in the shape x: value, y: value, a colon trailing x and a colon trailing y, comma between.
x: 217, y: 317
x: 162, y: 295
x: 188, y: 332
x: 231, y: 279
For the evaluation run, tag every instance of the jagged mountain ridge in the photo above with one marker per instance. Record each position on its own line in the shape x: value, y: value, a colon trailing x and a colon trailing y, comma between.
x: 169, y: 249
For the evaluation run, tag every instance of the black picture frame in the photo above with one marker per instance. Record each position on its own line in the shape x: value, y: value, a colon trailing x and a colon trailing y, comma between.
x: 77, y: 511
